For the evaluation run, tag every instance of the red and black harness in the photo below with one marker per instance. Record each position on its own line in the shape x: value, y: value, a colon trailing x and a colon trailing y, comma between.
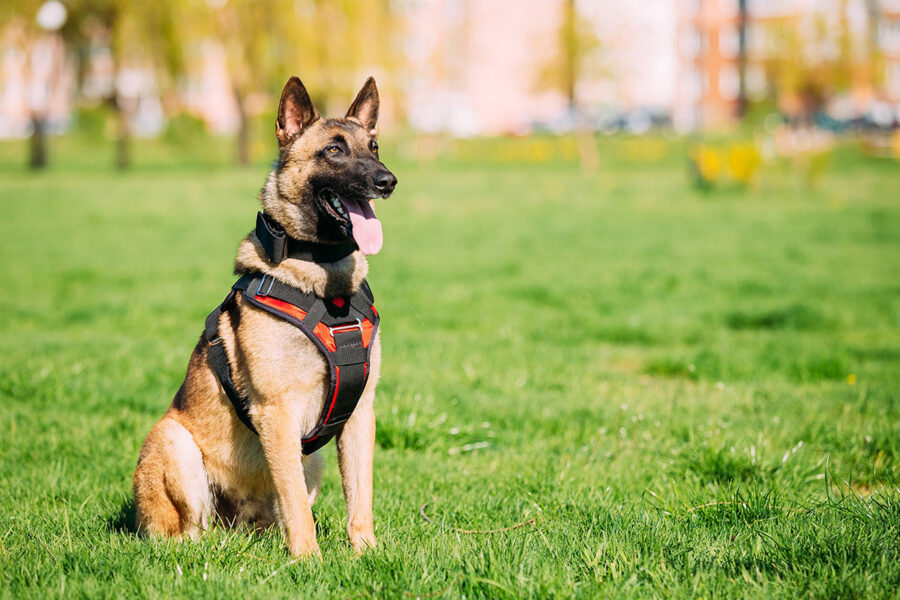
x: 342, y: 328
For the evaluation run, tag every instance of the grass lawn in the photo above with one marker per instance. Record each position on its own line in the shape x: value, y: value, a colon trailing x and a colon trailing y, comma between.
x: 691, y: 394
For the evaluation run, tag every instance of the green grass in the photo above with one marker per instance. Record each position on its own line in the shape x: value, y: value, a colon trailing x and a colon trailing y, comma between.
x: 660, y: 377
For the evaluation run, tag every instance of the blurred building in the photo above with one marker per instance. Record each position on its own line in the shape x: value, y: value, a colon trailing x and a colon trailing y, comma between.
x: 471, y: 65
x: 475, y: 67
x: 888, y: 35
x: 208, y: 92
x: 480, y: 67
x: 709, y: 54
x: 635, y: 64
x: 37, y: 81
x: 837, y: 35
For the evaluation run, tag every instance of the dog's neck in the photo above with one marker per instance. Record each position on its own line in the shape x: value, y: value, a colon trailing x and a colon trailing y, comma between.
x: 326, y: 280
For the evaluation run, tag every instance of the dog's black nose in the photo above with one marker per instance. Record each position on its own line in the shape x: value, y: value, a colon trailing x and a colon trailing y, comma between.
x: 385, y: 181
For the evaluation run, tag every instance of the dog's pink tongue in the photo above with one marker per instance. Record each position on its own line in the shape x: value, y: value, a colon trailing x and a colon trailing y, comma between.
x: 366, y: 227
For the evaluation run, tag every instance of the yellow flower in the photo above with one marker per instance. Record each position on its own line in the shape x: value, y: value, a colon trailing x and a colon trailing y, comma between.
x: 851, y: 379
x: 707, y: 164
x: 743, y: 162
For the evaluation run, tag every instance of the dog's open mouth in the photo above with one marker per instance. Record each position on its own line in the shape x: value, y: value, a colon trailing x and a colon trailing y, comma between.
x: 357, y: 217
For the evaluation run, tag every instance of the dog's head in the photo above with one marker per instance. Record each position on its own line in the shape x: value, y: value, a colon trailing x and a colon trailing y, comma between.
x: 328, y: 171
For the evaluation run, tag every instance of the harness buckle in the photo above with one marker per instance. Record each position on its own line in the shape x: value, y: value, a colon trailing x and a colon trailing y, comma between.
x: 262, y: 281
x: 346, y: 327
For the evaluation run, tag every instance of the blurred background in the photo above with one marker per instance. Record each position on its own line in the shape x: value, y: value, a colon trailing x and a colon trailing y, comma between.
x: 796, y: 74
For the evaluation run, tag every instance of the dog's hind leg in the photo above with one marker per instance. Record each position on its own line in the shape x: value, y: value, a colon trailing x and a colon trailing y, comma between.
x: 313, y: 465
x: 171, y: 490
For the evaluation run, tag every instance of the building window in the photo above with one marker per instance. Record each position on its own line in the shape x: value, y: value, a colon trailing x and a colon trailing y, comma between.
x: 892, y: 79
x: 756, y: 82
x: 692, y: 86
x: 729, y: 43
x: 729, y: 83
x: 729, y: 8
x: 889, y: 35
x: 690, y: 44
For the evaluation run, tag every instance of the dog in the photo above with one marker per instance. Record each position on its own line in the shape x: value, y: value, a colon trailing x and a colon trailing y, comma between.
x: 200, y: 462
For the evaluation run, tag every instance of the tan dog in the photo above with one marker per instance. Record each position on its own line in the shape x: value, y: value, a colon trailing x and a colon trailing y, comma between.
x: 200, y: 461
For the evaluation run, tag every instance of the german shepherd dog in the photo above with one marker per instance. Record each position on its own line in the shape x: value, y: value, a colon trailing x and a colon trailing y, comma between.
x: 200, y: 462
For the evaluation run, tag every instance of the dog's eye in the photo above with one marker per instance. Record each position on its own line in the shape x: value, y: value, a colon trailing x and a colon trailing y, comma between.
x: 333, y: 150
x: 373, y: 146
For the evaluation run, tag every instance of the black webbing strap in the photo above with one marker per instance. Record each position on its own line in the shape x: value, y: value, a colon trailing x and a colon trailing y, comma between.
x: 353, y: 361
x: 218, y: 359
x: 348, y: 363
x: 279, y: 245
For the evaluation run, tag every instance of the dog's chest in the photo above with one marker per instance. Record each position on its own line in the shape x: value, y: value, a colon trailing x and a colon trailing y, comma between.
x: 281, y: 365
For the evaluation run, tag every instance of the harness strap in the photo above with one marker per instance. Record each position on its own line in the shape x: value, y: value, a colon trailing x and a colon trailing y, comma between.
x: 218, y: 360
x: 312, y: 305
x: 341, y: 328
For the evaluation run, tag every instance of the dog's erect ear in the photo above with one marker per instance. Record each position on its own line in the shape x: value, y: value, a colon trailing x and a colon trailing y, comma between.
x: 295, y: 111
x: 365, y: 108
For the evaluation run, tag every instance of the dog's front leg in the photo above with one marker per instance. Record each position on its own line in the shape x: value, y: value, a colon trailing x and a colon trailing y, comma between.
x: 278, y: 426
x: 356, y: 449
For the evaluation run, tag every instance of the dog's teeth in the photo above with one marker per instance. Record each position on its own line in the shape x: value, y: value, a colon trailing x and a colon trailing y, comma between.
x: 338, y: 206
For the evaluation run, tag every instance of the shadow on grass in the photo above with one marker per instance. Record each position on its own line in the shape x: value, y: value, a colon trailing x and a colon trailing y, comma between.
x: 722, y: 466
x: 124, y: 520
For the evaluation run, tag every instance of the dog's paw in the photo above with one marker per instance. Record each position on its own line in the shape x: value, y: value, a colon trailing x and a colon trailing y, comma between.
x: 362, y: 537
x: 306, y: 549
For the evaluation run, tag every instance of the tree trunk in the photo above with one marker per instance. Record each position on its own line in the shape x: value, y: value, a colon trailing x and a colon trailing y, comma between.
x: 742, y: 59
x: 38, y: 157
x: 243, y: 134
x: 570, y: 38
x: 588, y: 156
x: 123, y: 135
x: 587, y: 148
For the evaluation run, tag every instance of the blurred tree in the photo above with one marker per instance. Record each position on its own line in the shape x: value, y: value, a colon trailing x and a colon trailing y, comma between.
x: 808, y: 58
x: 577, y: 47
x: 142, y: 35
x: 332, y: 44
x: 31, y: 26
x: 346, y: 42
x: 326, y: 43
x: 139, y: 36
x: 249, y: 31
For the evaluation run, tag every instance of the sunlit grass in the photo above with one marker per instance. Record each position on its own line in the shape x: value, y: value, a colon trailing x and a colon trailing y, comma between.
x: 693, y: 394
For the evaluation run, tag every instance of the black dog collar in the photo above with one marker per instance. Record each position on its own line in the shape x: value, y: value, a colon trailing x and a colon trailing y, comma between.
x: 279, y: 245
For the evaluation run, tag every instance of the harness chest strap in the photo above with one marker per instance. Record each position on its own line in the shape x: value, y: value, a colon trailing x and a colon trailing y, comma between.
x: 342, y: 328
